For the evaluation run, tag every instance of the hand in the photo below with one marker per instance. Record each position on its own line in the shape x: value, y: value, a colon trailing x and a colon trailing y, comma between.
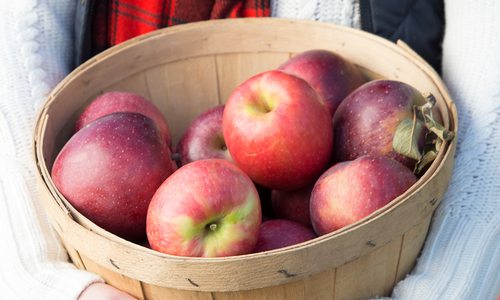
x: 103, y: 291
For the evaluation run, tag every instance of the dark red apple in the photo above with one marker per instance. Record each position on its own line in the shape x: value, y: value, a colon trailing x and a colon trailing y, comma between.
x: 293, y: 205
x: 382, y: 117
x: 352, y: 190
x: 277, y: 130
x: 110, y: 169
x: 279, y: 233
x: 117, y: 101
x: 203, y: 138
x: 331, y: 75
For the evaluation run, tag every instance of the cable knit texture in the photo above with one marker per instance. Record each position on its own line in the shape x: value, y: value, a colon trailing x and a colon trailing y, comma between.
x: 35, y: 54
x: 461, y: 256
x: 341, y: 12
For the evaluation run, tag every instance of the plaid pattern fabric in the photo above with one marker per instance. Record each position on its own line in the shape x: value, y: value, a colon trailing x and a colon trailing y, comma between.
x: 115, y: 21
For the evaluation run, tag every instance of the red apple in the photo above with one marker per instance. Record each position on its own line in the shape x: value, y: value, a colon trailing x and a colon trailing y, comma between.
x: 203, y: 138
x: 279, y: 233
x: 293, y: 205
x: 368, y: 119
x: 110, y: 169
x: 277, y: 130
x: 352, y: 190
x: 207, y: 208
x: 331, y: 75
x: 116, y: 101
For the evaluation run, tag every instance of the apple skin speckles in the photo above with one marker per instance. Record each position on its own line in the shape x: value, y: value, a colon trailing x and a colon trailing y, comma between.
x: 351, y: 190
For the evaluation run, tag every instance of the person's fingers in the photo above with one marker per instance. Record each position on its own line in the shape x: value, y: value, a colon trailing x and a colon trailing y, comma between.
x: 103, y: 291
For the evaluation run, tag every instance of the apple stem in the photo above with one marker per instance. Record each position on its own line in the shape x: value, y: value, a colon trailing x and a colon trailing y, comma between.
x: 437, y: 135
x: 213, y: 226
x: 430, y: 123
x: 267, y: 107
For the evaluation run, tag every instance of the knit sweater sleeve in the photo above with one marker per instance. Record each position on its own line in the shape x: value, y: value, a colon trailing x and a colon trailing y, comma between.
x: 35, y: 53
x: 461, y: 257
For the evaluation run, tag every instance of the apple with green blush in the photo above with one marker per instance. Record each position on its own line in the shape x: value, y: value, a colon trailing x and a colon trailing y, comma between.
x: 207, y: 208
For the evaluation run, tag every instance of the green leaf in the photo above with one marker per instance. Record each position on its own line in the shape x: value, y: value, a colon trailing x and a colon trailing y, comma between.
x: 427, y: 158
x: 405, y: 141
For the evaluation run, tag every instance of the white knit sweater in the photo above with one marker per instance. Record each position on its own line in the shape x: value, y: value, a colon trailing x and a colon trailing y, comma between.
x: 340, y: 12
x: 461, y: 258
x: 35, y: 52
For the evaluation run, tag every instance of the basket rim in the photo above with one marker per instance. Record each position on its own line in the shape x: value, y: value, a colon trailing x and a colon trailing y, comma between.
x: 402, y: 49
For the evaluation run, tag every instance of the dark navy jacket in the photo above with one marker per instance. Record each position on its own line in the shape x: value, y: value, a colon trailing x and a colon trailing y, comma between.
x: 419, y: 23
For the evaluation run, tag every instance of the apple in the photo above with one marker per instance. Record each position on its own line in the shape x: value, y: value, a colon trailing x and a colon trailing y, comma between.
x: 277, y: 130
x: 370, y: 118
x: 110, y: 169
x: 279, y: 233
x: 292, y: 205
x: 118, y: 101
x: 352, y: 190
x: 203, y: 138
x: 332, y: 76
x: 207, y: 208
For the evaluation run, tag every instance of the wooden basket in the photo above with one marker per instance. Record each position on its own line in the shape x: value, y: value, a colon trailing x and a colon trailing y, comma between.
x: 189, y: 68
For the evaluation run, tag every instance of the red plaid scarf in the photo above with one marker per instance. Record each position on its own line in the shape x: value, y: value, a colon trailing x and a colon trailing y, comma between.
x: 115, y: 21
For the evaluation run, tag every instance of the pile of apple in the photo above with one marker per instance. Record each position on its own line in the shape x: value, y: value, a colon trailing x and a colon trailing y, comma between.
x: 295, y: 152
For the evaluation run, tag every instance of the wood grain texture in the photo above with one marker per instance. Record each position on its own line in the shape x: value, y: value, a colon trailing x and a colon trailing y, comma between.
x: 371, y: 275
x: 234, y: 69
x: 123, y: 283
x: 74, y: 256
x: 292, y: 291
x: 135, y: 83
x: 182, y: 81
x: 319, y: 286
x: 413, y: 241
x: 183, y: 89
x: 153, y: 292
